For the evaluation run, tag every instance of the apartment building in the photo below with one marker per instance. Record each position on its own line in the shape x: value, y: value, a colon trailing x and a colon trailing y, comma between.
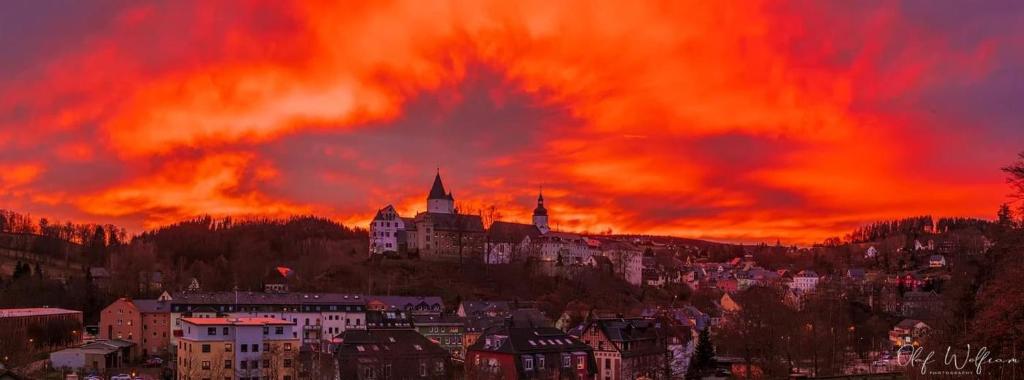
x: 237, y: 348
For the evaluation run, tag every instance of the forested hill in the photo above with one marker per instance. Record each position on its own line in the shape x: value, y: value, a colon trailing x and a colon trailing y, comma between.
x: 224, y: 253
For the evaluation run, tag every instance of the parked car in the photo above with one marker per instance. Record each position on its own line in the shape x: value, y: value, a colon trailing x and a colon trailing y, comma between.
x: 154, y: 362
x: 122, y: 376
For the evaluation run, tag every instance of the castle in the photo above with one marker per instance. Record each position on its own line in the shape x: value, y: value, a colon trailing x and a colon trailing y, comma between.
x: 442, y: 232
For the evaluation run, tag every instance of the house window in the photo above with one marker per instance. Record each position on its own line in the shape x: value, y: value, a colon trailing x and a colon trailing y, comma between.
x: 255, y: 348
x: 243, y: 364
x: 228, y: 347
x: 206, y: 365
x: 245, y: 348
x: 279, y: 330
x: 287, y: 346
x: 423, y: 369
x: 287, y: 363
x: 206, y: 348
x: 225, y: 331
x: 566, y: 360
x: 528, y: 363
x: 581, y: 362
x: 211, y: 331
x: 540, y: 361
x: 266, y: 363
x: 439, y: 367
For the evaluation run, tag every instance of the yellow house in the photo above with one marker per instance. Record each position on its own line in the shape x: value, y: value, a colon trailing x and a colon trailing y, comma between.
x: 237, y: 348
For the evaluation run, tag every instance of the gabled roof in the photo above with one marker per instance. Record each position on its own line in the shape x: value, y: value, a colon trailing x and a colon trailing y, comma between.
x: 909, y: 323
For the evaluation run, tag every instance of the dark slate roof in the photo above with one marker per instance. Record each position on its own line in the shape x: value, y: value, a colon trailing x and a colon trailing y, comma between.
x: 388, y: 320
x: 520, y: 340
x: 481, y: 307
x: 642, y: 333
x: 628, y: 329
x: 528, y: 317
x: 452, y: 222
x: 387, y: 343
x: 152, y: 306
x: 506, y: 232
x: 438, y: 320
x: 481, y: 323
x: 437, y: 190
x: 260, y: 298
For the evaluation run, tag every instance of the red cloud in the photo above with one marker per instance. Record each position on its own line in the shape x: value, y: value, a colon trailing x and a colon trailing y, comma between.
x: 196, y: 96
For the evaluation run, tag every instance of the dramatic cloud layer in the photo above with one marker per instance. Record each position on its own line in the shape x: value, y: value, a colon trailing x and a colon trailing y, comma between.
x: 769, y: 120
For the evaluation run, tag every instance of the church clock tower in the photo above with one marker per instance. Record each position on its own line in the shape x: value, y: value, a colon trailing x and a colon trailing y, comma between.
x: 540, y: 215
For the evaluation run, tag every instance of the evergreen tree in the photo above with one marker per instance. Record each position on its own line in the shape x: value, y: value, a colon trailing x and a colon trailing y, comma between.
x: 19, y: 270
x: 1005, y: 216
x: 703, y: 356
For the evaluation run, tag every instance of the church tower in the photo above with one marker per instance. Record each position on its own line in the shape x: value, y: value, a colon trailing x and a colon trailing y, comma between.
x: 438, y: 201
x: 540, y: 215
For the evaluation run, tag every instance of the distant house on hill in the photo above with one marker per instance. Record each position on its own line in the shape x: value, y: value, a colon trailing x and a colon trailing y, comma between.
x: 908, y: 331
x: 871, y: 252
x: 937, y: 261
x: 507, y: 242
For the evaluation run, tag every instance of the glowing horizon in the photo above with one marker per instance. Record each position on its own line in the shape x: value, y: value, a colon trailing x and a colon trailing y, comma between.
x: 794, y: 121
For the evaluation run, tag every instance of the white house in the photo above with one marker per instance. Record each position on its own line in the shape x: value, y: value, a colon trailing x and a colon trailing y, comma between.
x: 384, y: 231
x: 806, y: 281
x: 871, y: 252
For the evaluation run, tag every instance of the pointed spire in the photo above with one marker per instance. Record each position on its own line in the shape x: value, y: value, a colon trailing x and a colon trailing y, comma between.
x: 540, y: 210
x: 437, y: 190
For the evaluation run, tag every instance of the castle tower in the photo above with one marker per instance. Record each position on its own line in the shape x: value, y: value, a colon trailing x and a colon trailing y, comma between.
x: 438, y: 201
x: 540, y: 215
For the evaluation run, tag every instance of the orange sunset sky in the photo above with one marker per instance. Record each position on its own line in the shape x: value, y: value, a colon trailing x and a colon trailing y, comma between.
x: 709, y: 119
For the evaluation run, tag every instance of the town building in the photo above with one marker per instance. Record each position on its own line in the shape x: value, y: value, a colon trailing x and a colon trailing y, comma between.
x: 25, y: 332
x: 389, y: 320
x: 97, y: 357
x: 445, y: 330
x: 508, y: 242
x: 806, y: 281
x: 317, y: 316
x: 390, y: 354
x: 523, y: 351
x: 936, y: 261
x: 484, y: 308
x: 443, y: 232
x: 908, y: 331
x: 143, y: 322
x: 431, y: 305
x: 386, y: 231
x: 627, y: 348
x: 237, y: 348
